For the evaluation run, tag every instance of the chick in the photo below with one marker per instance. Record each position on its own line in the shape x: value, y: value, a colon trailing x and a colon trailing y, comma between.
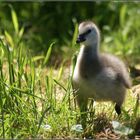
x: 100, y: 76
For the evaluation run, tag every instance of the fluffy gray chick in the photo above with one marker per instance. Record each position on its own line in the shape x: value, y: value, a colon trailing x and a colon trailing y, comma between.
x: 100, y: 76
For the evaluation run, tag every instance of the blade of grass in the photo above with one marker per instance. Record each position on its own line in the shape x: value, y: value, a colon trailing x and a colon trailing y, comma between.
x: 42, y: 117
x: 14, y: 20
x: 74, y: 35
x: 48, y: 54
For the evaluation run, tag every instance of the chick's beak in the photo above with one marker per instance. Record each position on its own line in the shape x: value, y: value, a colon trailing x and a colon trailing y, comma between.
x: 80, y: 39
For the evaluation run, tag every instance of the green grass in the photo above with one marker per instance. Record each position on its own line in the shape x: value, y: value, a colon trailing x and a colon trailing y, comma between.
x: 35, y: 96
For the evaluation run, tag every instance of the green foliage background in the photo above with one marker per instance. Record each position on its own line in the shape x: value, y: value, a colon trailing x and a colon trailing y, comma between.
x: 46, y: 22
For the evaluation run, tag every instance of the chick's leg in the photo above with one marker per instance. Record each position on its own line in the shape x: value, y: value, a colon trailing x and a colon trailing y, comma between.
x: 82, y: 103
x: 118, y: 109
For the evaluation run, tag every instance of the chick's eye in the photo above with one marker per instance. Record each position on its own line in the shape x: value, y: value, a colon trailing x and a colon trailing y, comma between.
x: 89, y: 31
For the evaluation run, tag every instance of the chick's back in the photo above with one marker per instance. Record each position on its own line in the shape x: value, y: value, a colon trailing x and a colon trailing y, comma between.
x: 116, y: 68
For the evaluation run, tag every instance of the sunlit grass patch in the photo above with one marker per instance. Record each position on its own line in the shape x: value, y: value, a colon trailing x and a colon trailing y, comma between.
x: 37, y: 102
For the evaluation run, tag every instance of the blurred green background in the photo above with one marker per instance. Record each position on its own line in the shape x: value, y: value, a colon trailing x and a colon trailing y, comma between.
x: 47, y: 22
